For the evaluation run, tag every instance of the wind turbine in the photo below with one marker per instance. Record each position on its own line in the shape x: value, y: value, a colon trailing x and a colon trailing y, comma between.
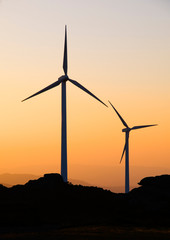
x: 63, y: 79
x: 126, y: 147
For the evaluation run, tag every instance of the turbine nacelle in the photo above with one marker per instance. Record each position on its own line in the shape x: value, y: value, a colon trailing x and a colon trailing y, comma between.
x: 126, y: 129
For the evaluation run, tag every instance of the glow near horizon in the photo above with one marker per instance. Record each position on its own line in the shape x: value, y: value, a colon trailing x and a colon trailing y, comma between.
x: 117, y: 49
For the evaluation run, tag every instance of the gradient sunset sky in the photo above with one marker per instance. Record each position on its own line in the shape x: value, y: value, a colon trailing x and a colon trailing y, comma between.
x: 119, y: 50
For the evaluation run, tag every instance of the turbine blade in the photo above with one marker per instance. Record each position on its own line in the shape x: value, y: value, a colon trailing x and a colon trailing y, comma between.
x: 122, y: 120
x: 143, y: 126
x: 65, y: 53
x: 85, y: 90
x: 124, y: 149
x: 44, y: 89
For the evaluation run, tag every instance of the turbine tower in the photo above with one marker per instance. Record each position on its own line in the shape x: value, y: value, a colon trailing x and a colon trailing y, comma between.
x: 126, y: 147
x: 63, y: 79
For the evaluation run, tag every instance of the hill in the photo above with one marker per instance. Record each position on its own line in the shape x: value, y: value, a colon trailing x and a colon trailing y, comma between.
x: 48, y: 201
x: 9, y: 179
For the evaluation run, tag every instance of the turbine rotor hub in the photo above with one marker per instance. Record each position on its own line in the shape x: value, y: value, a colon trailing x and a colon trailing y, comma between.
x: 63, y: 78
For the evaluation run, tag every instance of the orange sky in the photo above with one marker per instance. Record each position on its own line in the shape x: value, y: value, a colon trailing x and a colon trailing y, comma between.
x: 119, y: 51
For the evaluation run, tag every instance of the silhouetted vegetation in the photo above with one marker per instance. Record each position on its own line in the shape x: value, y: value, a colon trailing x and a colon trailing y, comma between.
x: 48, y: 201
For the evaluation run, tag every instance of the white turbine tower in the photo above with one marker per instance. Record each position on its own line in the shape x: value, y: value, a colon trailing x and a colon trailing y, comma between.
x: 63, y: 80
x: 126, y: 147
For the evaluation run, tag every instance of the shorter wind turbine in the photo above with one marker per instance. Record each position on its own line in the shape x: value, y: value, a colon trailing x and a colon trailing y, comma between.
x: 126, y: 147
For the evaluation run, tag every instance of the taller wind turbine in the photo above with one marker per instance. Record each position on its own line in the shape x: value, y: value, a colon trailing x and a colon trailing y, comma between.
x: 126, y: 147
x: 63, y: 79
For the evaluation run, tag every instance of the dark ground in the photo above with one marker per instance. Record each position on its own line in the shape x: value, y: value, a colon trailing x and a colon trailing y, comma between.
x: 48, y: 208
x: 85, y: 233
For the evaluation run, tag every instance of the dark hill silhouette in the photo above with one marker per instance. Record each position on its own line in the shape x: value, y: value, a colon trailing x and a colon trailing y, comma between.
x: 158, y: 181
x: 49, y: 200
x: 153, y: 198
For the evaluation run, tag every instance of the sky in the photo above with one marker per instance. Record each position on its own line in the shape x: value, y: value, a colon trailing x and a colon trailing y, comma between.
x: 119, y: 50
